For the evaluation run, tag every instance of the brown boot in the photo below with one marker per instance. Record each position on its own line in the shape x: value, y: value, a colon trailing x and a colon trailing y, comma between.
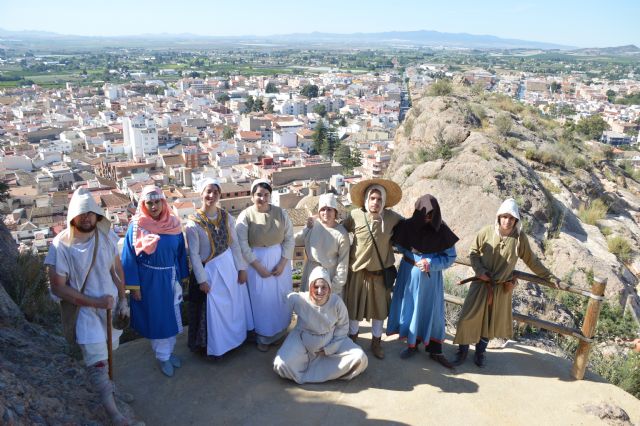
x: 353, y: 337
x: 376, y: 347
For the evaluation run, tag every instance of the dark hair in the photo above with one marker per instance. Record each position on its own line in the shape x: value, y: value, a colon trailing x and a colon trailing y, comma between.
x: 262, y: 185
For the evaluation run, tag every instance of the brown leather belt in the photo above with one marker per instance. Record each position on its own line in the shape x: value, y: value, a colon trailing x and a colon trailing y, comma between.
x: 490, y: 286
x: 374, y: 273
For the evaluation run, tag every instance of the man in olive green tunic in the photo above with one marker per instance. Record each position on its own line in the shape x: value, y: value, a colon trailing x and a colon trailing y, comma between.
x: 487, y: 312
x: 365, y: 293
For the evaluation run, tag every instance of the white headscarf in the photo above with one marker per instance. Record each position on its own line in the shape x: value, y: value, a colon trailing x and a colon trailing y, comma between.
x: 258, y: 181
x: 317, y: 273
x: 206, y: 182
x: 328, y: 200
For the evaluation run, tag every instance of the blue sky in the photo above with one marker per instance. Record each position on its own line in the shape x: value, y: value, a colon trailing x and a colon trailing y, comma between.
x: 585, y: 23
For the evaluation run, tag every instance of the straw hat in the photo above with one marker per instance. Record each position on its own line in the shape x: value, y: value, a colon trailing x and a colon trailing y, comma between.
x: 394, y: 193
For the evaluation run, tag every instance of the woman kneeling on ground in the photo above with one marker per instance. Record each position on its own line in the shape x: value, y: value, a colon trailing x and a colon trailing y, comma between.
x: 318, y: 349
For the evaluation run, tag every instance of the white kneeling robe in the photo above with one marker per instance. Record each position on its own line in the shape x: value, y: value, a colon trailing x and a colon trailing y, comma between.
x: 318, y: 348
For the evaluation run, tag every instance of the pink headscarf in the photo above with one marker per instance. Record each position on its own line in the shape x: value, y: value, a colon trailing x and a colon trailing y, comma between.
x: 147, y: 230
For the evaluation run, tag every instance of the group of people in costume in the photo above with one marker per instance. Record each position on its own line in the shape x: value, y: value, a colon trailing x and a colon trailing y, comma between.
x: 240, y: 282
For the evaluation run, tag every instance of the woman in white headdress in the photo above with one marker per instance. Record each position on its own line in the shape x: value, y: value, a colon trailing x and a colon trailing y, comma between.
x: 266, y: 239
x: 326, y: 244
x: 318, y: 349
x: 219, y: 307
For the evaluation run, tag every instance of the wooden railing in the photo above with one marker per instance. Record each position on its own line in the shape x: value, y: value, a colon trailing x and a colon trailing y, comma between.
x: 584, y: 336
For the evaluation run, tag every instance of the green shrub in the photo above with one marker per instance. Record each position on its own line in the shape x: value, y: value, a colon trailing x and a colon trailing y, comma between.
x: 441, y: 150
x: 593, y: 212
x: 478, y: 110
x: 503, y: 123
x: 619, y: 246
x: 506, y: 103
x: 622, y: 371
x: 28, y: 286
x: 576, y: 161
x: 606, y: 231
x: 549, y: 155
x: 550, y: 186
x: 530, y: 124
x: 440, y: 87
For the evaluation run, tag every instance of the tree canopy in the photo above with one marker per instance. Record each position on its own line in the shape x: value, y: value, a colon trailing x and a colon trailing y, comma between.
x: 592, y: 126
x: 271, y: 88
x: 310, y: 91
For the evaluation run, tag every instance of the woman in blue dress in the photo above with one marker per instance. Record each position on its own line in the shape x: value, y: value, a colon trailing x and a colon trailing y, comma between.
x: 154, y: 259
x: 417, y: 307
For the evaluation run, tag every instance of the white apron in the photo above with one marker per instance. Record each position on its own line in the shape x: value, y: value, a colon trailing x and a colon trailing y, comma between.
x: 271, y: 312
x: 228, y: 307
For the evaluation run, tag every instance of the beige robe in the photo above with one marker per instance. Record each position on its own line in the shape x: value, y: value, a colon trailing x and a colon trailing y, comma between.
x: 498, y: 257
x: 326, y: 247
x: 318, y: 348
x: 365, y: 294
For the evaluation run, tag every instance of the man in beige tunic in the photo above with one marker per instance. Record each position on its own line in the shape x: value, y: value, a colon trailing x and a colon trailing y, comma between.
x: 365, y: 294
x: 487, y: 312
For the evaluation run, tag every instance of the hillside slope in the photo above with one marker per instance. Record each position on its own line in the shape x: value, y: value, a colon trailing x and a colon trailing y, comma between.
x: 473, y: 151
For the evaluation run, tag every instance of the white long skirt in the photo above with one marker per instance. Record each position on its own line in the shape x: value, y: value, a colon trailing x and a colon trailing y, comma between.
x: 271, y: 312
x: 228, y: 307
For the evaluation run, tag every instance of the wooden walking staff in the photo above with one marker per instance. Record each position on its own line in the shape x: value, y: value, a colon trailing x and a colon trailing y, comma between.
x: 589, y: 327
x: 109, y: 344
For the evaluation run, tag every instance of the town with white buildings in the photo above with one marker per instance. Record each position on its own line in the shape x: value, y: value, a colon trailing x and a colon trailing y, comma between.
x: 117, y: 138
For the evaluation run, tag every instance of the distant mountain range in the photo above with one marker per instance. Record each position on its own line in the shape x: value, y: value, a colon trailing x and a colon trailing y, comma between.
x: 433, y: 39
x: 629, y: 49
x: 43, y: 40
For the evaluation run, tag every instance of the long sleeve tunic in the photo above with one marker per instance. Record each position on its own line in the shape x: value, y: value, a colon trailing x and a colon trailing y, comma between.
x: 200, y: 248
x: 496, y: 256
x: 417, y: 308
x: 326, y: 247
x: 318, y: 348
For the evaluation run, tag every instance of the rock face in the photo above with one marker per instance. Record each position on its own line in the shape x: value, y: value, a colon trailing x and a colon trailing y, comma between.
x: 450, y: 147
x: 39, y: 382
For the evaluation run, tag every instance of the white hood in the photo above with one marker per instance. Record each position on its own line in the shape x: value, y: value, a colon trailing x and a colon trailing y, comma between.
x: 82, y: 202
x: 509, y: 206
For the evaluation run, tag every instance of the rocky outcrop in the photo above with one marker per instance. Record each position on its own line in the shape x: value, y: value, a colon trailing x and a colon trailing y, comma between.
x: 450, y: 147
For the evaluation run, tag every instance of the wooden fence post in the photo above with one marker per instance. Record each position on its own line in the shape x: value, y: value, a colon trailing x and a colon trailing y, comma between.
x: 589, y: 327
